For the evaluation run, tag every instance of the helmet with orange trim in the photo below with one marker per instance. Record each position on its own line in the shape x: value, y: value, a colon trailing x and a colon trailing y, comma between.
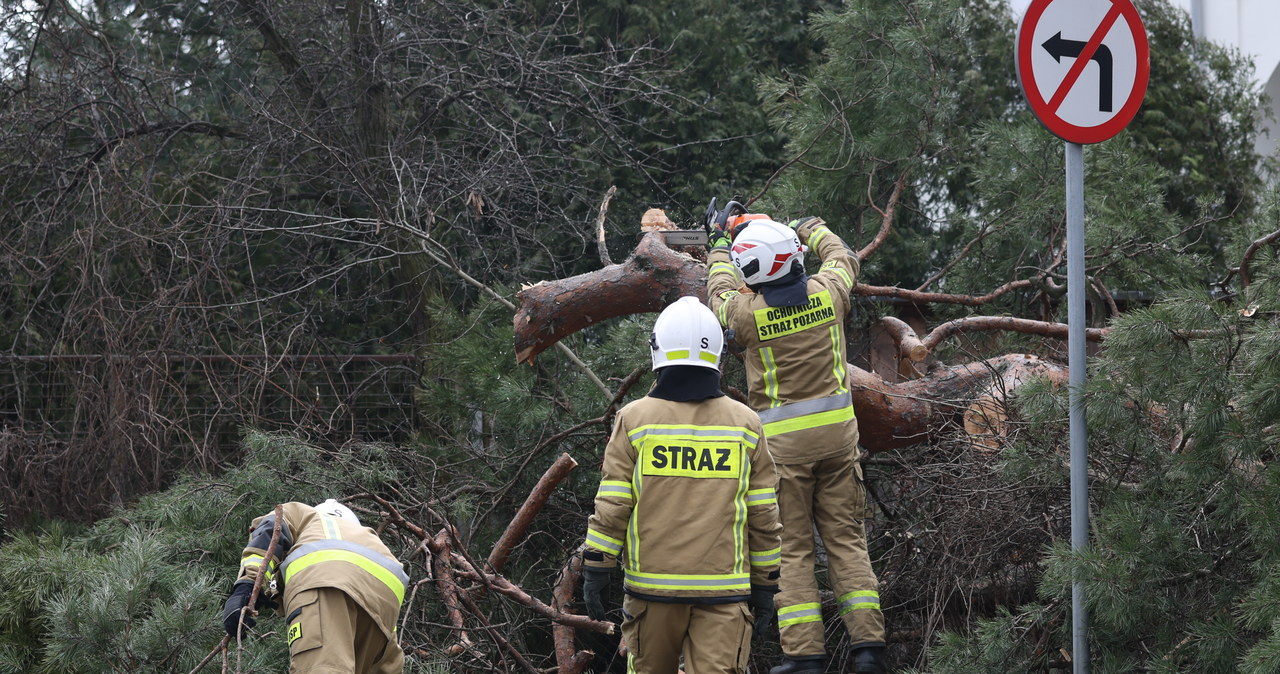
x: 766, y: 251
x: 731, y: 219
x: 686, y: 333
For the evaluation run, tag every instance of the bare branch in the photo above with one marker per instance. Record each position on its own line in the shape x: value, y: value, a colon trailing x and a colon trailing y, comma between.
x: 941, y: 298
x: 529, y: 510
x: 1009, y: 323
x: 886, y: 219
x: 284, y: 53
x: 905, y: 336
x: 604, y: 209
x: 1249, y: 252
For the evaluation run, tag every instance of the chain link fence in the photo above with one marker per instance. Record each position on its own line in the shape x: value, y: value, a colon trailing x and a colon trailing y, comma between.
x: 79, y: 432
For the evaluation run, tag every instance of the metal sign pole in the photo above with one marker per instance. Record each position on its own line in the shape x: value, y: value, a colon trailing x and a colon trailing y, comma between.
x: 1078, y: 427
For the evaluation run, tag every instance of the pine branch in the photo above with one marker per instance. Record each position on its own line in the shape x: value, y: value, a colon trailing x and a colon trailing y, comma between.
x: 423, y: 238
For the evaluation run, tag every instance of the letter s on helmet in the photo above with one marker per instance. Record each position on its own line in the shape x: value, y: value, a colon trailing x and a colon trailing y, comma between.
x: 332, y: 507
x: 765, y: 251
x: 686, y: 333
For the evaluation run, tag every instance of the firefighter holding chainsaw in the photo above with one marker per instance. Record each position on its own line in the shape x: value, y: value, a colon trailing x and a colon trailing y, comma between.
x: 687, y: 499
x: 339, y: 585
x: 791, y: 327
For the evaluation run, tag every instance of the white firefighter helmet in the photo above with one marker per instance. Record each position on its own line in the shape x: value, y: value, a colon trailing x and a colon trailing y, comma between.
x: 332, y: 507
x: 686, y: 333
x: 764, y: 251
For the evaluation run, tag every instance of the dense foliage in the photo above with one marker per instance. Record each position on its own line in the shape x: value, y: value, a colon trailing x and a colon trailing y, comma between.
x: 233, y: 178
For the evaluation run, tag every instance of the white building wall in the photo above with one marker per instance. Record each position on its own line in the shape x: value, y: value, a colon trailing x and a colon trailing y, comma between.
x: 1250, y: 26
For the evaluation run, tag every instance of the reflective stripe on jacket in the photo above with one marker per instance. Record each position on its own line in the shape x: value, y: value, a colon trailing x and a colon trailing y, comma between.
x: 687, y: 496
x: 797, y: 377
x: 324, y: 551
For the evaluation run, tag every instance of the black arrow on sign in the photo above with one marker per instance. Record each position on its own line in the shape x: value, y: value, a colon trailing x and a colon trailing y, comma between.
x: 1058, y: 47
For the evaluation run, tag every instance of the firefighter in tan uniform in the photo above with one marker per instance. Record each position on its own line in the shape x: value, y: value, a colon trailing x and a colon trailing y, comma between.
x: 792, y: 329
x: 341, y: 589
x: 687, y: 499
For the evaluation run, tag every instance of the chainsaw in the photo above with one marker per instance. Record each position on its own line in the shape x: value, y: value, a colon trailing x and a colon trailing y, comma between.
x: 714, y: 218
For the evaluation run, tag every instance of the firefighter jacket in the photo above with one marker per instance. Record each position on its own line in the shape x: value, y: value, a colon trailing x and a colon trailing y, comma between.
x: 795, y: 356
x: 687, y: 490
x: 316, y: 550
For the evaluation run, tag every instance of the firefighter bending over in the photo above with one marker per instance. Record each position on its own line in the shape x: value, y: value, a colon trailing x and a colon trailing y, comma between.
x: 341, y: 589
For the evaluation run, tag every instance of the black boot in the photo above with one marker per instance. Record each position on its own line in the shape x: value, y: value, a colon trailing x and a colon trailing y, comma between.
x: 869, y: 660
x: 803, y: 664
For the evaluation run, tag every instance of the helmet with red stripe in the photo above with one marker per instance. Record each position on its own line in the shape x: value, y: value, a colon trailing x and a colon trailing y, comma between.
x: 765, y: 251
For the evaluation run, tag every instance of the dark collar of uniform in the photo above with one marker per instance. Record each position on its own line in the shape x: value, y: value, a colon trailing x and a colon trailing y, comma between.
x: 686, y: 383
x: 789, y: 291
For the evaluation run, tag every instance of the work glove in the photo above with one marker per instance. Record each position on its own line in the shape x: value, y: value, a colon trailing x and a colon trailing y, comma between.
x: 761, y: 603
x: 806, y: 220
x: 718, y: 238
x: 236, y: 602
x: 720, y: 233
x: 595, y: 590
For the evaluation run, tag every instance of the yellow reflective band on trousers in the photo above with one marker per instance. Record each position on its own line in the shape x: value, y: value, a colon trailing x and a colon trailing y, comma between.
x: 810, y: 612
x: 808, y: 414
x: 670, y: 581
x: 385, y: 569
x: 859, y: 599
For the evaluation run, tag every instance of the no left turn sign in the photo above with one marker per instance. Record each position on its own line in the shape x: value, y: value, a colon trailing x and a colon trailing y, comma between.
x: 1083, y: 65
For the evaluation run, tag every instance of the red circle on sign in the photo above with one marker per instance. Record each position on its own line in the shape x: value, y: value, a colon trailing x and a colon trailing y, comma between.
x: 1047, y: 113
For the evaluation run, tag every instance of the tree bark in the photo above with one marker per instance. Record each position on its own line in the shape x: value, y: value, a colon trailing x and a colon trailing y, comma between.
x: 532, y: 506
x: 650, y: 279
x: 569, y: 660
x: 891, y: 416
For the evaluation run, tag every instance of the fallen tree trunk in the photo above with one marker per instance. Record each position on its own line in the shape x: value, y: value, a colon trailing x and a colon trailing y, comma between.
x: 656, y: 275
x: 650, y: 279
x: 889, y: 415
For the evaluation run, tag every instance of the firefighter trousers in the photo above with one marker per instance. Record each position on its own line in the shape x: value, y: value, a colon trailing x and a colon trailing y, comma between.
x: 713, y: 638
x: 329, y: 633
x: 826, y: 496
